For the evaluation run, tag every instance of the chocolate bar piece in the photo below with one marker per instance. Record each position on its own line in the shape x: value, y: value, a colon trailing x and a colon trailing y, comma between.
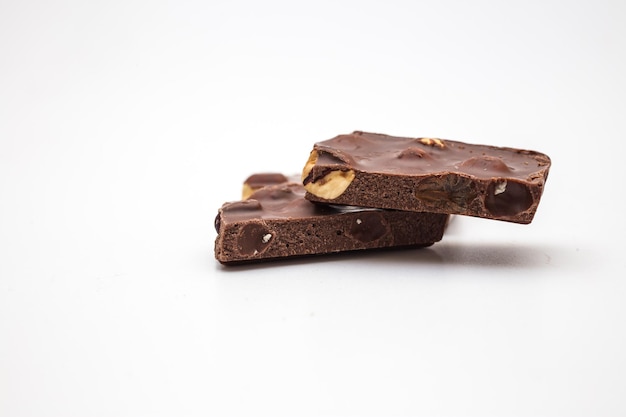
x: 277, y: 222
x: 258, y: 181
x: 427, y: 175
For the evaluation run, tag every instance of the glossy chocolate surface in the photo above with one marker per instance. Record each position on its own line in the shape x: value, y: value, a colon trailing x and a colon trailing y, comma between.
x: 438, y: 175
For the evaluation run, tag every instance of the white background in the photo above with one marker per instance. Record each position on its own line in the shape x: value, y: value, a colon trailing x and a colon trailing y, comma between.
x: 124, y: 125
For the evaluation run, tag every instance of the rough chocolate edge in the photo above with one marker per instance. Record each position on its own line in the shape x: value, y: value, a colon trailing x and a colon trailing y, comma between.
x: 327, y: 234
x: 446, y: 194
x: 500, y: 197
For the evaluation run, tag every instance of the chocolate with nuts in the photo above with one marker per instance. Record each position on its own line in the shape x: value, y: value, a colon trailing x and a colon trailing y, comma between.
x: 277, y: 222
x: 257, y: 181
x: 427, y: 175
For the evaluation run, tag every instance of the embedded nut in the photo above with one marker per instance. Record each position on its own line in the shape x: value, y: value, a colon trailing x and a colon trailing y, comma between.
x: 331, y: 185
x: 485, y: 163
x: 500, y: 188
x: 433, y: 142
x: 247, y: 191
x: 413, y: 152
x: 309, y: 165
x: 253, y: 239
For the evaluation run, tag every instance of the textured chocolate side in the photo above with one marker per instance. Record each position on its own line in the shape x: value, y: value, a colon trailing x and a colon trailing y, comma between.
x: 427, y: 175
x: 277, y: 222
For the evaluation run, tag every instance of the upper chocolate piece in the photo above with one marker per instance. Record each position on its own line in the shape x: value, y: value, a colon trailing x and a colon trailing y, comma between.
x: 427, y: 175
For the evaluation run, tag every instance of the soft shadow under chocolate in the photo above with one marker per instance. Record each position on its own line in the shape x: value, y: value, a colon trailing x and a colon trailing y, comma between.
x: 362, y: 256
x: 494, y: 255
x: 479, y: 255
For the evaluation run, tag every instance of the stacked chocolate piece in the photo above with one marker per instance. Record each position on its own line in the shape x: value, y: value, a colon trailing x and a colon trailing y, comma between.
x: 373, y: 191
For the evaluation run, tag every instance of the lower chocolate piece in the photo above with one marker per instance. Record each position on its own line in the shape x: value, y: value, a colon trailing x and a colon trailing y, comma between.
x: 277, y: 222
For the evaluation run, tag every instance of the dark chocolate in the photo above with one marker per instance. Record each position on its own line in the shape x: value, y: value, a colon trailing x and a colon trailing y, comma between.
x: 278, y: 222
x: 427, y: 175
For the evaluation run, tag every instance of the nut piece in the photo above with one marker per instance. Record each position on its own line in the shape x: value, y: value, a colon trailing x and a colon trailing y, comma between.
x: 331, y: 185
x: 247, y: 191
x: 433, y: 142
x: 500, y: 188
x: 309, y: 164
